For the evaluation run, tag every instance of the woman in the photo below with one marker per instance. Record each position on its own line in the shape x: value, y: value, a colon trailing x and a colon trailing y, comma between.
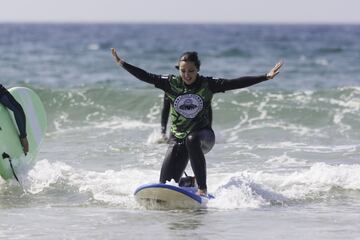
x: 9, y: 101
x: 190, y: 96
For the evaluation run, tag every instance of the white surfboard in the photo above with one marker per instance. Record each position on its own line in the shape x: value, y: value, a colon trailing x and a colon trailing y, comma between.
x: 36, y: 123
x: 170, y: 196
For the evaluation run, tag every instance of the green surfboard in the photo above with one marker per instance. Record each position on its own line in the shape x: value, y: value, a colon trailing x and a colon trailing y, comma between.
x: 36, y: 123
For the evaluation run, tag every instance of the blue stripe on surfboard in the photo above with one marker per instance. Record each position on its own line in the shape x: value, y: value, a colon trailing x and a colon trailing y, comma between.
x: 190, y: 192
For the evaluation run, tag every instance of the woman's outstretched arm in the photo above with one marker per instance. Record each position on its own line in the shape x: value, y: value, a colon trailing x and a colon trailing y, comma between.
x: 135, y: 71
x: 221, y: 85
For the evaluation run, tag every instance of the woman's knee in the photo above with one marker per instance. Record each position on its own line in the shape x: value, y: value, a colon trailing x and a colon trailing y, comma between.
x: 192, y: 139
x: 205, y: 139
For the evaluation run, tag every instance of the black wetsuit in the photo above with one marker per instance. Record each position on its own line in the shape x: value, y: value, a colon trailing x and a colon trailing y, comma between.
x: 191, y: 120
x: 9, y: 101
x: 165, y: 114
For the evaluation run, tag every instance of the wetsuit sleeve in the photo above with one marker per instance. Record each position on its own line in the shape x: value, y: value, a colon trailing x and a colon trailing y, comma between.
x: 9, y: 101
x: 165, y: 114
x: 2, y: 90
x: 142, y: 74
x: 222, y: 85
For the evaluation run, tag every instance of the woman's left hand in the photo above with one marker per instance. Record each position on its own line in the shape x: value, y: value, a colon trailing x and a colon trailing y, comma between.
x: 275, y: 71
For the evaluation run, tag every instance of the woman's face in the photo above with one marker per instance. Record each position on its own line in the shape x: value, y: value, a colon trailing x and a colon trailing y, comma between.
x: 188, y: 72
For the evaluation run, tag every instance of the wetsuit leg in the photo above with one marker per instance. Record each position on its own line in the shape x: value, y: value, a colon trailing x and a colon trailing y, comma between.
x: 9, y: 101
x: 197, y: 144
x: 175, y: 162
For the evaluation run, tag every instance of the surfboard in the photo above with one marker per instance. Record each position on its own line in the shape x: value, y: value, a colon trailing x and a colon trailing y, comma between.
x: 170, y: 196
x: 36, y: 124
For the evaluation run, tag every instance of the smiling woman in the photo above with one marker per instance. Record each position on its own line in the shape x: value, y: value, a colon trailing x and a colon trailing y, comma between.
x: 189, y: 65
x: 190, y: 95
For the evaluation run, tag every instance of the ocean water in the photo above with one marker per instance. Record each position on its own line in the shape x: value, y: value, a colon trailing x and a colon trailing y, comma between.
x: 286, y: 160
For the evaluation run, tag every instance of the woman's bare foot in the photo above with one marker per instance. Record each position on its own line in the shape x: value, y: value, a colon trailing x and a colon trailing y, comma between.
x: 201, y: 192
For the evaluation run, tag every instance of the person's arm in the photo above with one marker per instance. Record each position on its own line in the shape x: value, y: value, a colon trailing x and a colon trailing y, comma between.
x: 2, y: 90
x: 142, y: 74
x: 222, y: 85
x: 165, y: 114
x: 137, y: 72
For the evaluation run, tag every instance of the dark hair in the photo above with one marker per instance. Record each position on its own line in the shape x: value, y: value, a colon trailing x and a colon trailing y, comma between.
x: 190, y: 57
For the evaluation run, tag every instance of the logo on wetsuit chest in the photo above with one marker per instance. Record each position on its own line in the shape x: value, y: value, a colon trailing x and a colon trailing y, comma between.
x: 188, y: 105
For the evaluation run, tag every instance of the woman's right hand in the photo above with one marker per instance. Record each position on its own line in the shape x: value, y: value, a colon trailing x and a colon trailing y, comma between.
x: 117, y: 59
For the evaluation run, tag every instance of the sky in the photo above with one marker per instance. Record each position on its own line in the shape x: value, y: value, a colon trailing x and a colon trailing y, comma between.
x: 181, y: 11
